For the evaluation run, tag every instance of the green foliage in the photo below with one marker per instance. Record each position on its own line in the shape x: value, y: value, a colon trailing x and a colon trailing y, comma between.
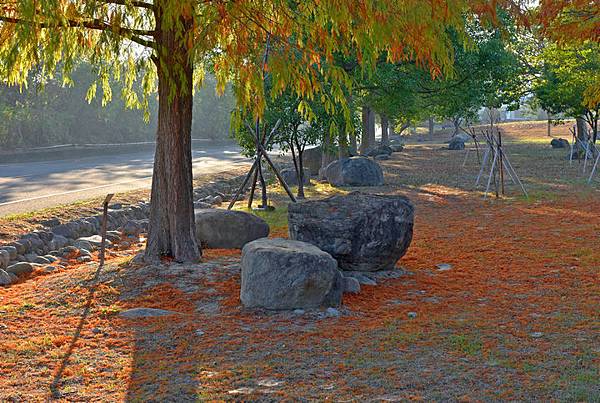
x: 48, y: 113
x: 566, y: 75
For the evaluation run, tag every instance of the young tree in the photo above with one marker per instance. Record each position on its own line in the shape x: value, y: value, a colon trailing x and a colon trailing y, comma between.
x: 171, y: 42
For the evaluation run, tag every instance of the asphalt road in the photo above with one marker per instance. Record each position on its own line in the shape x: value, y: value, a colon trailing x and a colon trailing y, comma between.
x: 31, y: 186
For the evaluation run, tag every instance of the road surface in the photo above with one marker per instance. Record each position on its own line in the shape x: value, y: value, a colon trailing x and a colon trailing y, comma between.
x: 31, y: 186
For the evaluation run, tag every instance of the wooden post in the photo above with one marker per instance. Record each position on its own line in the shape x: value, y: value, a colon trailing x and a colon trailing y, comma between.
x: 501, y: 165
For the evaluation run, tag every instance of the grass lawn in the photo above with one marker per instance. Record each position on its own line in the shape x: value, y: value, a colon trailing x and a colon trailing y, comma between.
x: 516, y: 318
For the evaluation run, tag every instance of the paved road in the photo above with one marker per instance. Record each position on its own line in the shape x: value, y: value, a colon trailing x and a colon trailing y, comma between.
x: 31, y: 186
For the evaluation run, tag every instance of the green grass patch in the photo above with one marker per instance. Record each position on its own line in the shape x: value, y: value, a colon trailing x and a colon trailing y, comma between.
x: 466, y: 344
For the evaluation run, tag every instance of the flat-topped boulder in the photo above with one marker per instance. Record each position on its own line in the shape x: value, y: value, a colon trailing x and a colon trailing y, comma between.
x: 363, y: 232
x: 354, y: 171
x: 228, y: 229
x: 283, y: 274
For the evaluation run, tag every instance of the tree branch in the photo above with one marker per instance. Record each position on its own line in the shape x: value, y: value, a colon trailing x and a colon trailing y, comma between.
x: 134, y: 3
x: 90, y: 24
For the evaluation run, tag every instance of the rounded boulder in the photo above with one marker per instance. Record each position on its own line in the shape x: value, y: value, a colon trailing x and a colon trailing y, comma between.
x: 354, y: 171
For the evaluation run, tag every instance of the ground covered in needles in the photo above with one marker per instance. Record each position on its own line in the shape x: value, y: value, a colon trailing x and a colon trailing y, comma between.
x: 514, y: 318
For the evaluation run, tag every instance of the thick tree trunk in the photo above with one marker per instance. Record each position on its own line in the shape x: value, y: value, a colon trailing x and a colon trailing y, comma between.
x: 385, y: 127
x: 582, y: 134
x: 171, y: 230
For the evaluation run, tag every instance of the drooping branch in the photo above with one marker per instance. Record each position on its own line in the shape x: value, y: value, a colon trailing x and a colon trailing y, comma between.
x: 135, y: 3
x: 96, y: 24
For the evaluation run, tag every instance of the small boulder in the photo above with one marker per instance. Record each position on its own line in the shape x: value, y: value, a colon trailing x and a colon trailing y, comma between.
x: 282, y: 274
x: 381, y: 157
x: 363, y: 232
x: 11, y: 250
x: 134, y: 227
x: 397, y: 147
x: 5, y: 278
x: 20, y: 268
x: 41, y: 260
x: 228, y: 229
x: 290, y: 177
x: 4, y: 259
x: 559, y: 143
x: 380, y: 150
x: 94, y: 240
x: 81, y: 243
x: 351, y: 285
x: 456, y: 144
x: 113, y: 236
x: 354, y: 171
x: 52, y: 222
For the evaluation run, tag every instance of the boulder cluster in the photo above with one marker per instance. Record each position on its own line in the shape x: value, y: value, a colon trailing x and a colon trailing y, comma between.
x: 335, y: 245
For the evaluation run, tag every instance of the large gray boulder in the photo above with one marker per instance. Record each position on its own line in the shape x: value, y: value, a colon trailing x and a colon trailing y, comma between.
x: 285, y: 274
x: 227, y: 229
x: 311, y: 160
x: 354, y: 171
x: 363, y: 232
x: 290, y: 177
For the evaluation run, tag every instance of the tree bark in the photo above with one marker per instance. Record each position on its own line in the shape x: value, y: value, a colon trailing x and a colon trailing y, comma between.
x: 171, y: 229
x: 385, y: 127
x: 371, y: 143
x: 364, y: 141
x: 352, y: 147
x: 431, y: 126
x: 327, y: 154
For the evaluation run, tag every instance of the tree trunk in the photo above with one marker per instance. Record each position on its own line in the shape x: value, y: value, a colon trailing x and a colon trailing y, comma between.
x: 456, y: 122
x: 582, y: 134
x: 352, y: 147
x: 549, y: 126
x: 171, y: 229
x: 431, y: 126
x: 364, y: 141
x: 385, y: 127
x: 300, y: 173
x: 343, y: 144
x: 371, y: 128
x: 327, y: 154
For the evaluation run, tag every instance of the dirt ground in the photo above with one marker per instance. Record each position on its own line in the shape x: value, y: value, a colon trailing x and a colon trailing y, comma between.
x: 517, y: 317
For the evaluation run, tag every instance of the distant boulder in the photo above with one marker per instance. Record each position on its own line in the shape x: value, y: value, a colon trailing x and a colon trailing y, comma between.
x: 311, y: 159
x: 456, y: 144
x: 290, y: 177
x: 354, y: 171
x: 559, y: 143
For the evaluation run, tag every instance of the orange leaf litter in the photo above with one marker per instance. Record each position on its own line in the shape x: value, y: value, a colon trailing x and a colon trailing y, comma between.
x: 517, y: 268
